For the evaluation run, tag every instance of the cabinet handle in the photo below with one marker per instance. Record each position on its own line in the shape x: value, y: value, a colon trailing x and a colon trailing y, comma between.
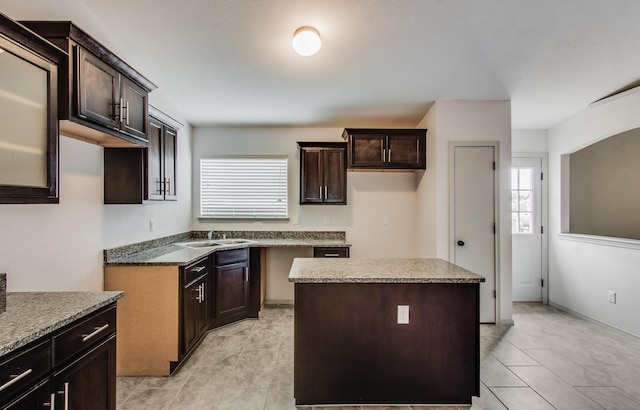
x: 15, y: 378
x: 331, y: 255
x: 197, y: 269
x: 320, y: 191
x: 126, y: 109
x: 52, y: 402
x: 382, y: 152
x: 121, y: 109
x: 246, y: 274
x: 95, y: 332
x: 201, y: 287
x: 168, y: 186
x: 65, y: 392
x: 389, y: 151
x: 326, y: 192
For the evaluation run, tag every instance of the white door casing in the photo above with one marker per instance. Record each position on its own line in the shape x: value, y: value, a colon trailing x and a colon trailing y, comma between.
x: 474, y: 218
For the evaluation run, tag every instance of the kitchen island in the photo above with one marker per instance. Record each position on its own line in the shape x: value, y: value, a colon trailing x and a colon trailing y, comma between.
x: 385, y: 331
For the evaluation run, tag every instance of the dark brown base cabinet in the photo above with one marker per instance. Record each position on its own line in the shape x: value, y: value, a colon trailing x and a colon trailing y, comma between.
x: 232, y: 300
x: 196, y: 303
x: 74, y: 368
x: 348, y: 347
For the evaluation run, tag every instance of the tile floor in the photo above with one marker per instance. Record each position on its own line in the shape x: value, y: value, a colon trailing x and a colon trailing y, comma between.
x: 548, y: 360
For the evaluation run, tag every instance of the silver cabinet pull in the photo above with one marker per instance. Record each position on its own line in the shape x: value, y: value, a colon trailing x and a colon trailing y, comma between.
x: 65, y: 392
x: 168, y: 184
x: 382, y: 153
x: 320, y: 191
x: 16, y: 378
x: 52, y: 402
x: 331, y: 255
x: 197, y: 269
x: 326, y: 192
x: 389, y: 159
x: 121, y: 109
x: 95, y: 332
x: 246, y: 274
x: 126, y: 109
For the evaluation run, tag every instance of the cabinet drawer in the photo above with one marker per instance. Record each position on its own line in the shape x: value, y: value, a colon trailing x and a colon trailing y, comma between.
x: 338, y: 252
x: 194, y: 271
x: 83, y: 335
x: 231, y: 256
x: 22, y: 369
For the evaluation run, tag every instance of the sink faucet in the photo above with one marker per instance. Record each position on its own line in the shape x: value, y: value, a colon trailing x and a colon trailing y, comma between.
x: 210, y: 235
x: 224, y: 236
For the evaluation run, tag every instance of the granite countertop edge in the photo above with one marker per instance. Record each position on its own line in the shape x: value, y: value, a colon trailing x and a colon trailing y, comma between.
x: 175, y: 254
x: 379, y: 270
x: 16, y: 340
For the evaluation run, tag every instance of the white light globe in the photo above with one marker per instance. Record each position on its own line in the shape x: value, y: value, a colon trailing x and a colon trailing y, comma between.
x: 306, y: 41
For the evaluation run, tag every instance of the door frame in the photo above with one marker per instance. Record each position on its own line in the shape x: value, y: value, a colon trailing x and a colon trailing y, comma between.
x: 544, y: 217
x: 496, y: 212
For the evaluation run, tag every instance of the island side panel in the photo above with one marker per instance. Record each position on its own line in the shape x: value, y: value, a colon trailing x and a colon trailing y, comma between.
x: 148, y: 322
x: 350, y: 349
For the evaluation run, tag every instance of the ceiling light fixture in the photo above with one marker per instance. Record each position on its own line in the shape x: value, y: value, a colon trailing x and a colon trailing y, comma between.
x: 306, y: 41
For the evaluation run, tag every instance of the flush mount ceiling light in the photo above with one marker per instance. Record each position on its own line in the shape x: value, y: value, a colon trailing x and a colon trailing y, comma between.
x: 306, y: 41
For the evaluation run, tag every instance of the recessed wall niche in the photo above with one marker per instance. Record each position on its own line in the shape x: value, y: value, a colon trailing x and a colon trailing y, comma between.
x: 601, y: 187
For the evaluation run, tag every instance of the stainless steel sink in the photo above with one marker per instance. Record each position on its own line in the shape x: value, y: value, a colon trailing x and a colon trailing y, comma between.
x: 232, y: 241
x: 215, y: 242
x: 200, y: 244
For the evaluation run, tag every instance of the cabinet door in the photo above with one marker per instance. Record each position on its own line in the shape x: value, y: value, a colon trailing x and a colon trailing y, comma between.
x: 335, y: 178
x: 406, y: 151
x: 98, y: 89
x: 155, y: 184
x: 89, y: 383
x: 190, y: 326
x: 170, y: 171
x: 367, y: 150
x: 133, y: 100
x: 232, y: 289
x: 311, y: 178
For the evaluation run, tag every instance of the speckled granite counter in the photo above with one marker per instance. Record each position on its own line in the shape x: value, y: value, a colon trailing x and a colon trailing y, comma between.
x: 175, y: 254
x: 382, y: 270
x: 31, y: 315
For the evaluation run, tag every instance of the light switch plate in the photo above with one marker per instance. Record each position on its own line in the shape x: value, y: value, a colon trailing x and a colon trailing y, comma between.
x: 612, y: 297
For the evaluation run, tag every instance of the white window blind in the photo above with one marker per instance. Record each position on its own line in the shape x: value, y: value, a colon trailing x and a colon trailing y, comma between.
x: 243, y: 187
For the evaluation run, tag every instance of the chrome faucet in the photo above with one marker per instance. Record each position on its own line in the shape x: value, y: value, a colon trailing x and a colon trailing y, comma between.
x: 224, y: 236
x: 210, y: 235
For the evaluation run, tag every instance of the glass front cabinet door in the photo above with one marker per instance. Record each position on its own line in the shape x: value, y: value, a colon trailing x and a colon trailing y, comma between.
x: 28, y: 116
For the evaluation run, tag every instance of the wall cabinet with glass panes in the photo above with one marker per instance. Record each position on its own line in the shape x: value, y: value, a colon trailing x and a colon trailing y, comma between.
x: 28, y: 115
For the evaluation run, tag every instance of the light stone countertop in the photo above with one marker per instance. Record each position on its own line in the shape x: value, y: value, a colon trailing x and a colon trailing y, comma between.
x: 175, y: 254
x: 31, y: 315
x: 379, y: 270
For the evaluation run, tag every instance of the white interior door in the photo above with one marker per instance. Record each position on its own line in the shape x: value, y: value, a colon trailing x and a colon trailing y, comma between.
x: 526, y: 228
x: 474, y: 214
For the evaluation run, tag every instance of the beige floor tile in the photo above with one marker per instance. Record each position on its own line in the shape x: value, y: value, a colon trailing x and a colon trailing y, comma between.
x: 521, y: 398
x: 610, y: 398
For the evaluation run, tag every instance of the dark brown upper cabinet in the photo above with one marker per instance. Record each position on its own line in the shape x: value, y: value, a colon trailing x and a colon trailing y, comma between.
x: 323, y: 176
x: 133, y: 175
x: 386, y: 149
x: 29, y: 67
x: 102, y: 99
x: 161, y: 156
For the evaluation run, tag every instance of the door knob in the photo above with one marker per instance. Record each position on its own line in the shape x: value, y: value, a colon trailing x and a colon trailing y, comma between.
x: 460, y: 243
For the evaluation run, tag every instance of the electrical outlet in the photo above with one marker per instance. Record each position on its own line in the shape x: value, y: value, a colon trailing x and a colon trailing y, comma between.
x: 257, y: 224
x: 294, y: 219
x: 612, y: 297
x: 403, y: 314
x: 385, y: 220
x: 152, y: 225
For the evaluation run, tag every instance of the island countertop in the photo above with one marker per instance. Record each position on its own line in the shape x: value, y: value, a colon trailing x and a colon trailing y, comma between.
x: 379, y: 270
x: 30, y: 315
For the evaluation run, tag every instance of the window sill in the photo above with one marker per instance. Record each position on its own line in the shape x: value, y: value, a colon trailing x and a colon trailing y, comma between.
x: 601, y: 240
x: 223, y: 219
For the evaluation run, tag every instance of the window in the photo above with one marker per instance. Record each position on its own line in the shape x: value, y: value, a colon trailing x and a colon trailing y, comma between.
x: 244, y: 187
x: 522, y: 200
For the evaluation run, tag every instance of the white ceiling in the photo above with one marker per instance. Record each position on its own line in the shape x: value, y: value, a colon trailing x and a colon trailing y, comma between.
x: 382, y: 63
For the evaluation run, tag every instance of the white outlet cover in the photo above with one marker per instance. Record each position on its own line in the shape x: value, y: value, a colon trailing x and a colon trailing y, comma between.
x: 403, y: 314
